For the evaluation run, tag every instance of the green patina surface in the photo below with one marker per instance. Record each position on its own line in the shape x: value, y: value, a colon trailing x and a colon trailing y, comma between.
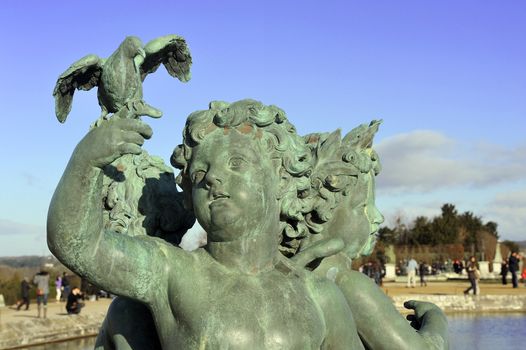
x: 284, y: 217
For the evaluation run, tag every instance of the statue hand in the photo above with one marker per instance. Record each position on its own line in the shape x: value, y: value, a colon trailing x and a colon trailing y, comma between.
x: 112, y: 139
x: 423, y: 310
x: 318, y: 250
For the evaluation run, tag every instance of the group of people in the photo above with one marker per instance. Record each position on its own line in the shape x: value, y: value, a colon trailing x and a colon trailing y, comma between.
x: 63, y: 292
x: 41, y: 281
x: 510, y: 264
x: 413, y: 268
x: 374, y: 270
x: 62, y: 287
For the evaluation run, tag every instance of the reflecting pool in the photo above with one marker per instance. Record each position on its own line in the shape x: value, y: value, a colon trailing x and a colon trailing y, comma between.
x: 487, y: 331
x: 466, y: 332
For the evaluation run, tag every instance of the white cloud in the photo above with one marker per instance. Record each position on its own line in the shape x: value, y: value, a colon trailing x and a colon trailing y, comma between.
x: 424, y: 169
x: 426, y: 160
x: 407, y: 213
x: 9, y: 227
x: 508, y: 209
x: 22, y: 239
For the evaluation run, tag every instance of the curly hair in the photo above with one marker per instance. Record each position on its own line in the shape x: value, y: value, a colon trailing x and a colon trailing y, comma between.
x: 140, y: 198
x: 337, y: 163
x: 268, y: 124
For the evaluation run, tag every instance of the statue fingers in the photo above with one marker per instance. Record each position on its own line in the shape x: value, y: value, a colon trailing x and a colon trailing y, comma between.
x: 133, y: 137
x: 420, y: 307
x: 414, y: 321
x: 410, y: 304
x: 319, y: 250
x: 410, y: 317
x: 135, y: 125
x: 415, y: 324
x: 129, y: 148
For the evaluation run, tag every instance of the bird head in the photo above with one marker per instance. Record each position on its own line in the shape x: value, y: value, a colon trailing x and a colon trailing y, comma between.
x: 132, y: 47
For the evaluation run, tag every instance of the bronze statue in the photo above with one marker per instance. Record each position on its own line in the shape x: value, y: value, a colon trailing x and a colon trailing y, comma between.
x: 119, y: 77
x: 284, y: 217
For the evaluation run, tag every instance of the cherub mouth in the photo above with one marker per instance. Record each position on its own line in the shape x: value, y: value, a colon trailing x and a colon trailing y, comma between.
x: 219, y: 195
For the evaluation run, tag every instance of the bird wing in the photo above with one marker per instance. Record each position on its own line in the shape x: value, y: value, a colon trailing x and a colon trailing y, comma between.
x: 172, y: 51
x: 83, y: 75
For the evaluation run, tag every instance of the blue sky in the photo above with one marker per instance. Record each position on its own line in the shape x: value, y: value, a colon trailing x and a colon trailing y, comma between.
x: 447, y: 77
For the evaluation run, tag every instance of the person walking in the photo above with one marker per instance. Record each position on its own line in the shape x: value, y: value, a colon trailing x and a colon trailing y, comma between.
x: 411, y: 273
x: 472, y: 269
x: 41, y: 280
x: 422, y: 269
x: 58, y: 288
x: 504, y: 271
x: 513, y: 265
x: 24, y: 291
x: 65, y: 286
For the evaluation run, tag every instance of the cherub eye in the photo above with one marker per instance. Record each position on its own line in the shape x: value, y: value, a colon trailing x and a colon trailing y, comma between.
x: 197, y: 176
x: 236, y: 162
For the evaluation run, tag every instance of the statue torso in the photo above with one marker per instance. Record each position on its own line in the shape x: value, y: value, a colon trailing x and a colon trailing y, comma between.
x: 236, y: 311
x: 228, y: 310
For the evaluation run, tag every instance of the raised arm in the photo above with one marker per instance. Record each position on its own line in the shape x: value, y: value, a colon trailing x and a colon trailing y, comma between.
x: 121, y: 264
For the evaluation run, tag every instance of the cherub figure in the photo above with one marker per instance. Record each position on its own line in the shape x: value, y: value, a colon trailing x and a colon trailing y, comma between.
x: 342, y: 212
x: 244, y: 171
x: 254, y: 185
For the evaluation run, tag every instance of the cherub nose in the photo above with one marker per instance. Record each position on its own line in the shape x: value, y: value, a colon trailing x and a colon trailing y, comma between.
x: 212, y: 179
x: 378, y: 217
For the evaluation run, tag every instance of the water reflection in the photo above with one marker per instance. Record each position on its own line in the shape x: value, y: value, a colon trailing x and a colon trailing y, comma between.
x: 487, y: 331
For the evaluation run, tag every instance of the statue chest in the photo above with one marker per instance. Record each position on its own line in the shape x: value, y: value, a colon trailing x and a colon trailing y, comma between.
x: 258, y: 314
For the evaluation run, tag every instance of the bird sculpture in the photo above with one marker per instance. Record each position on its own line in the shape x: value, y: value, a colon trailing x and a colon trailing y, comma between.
x: 119, y: 77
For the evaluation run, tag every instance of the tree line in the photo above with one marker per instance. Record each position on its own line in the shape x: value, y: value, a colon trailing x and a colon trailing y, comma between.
x: 450, y: 227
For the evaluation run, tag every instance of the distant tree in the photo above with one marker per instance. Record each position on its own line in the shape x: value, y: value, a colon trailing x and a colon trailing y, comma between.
x: 513, y: 246
x: 11, y: 289
x: 422, y: 232
x: 445, y: 227
x: 386, y: 235
x: 487, y: 243
x: 472, y: 225
x: 401, y: 233
x: 449, y: 228
x: 491, y: 227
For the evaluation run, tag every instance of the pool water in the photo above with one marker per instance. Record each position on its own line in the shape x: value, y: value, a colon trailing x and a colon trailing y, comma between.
x: 466, y: 332
x: 487, y: 331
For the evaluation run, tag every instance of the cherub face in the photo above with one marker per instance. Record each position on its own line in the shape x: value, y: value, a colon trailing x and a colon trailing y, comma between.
x: 357, y: 219
x: 374, y: 218
x: 234, y: 186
